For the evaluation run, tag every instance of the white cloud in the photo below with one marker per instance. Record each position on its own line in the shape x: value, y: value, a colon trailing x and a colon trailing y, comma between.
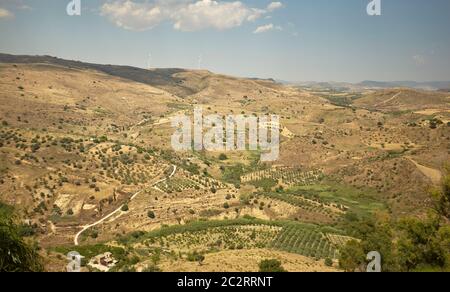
x: 208, y: 13
x: 133, y: 16
x: 5, y: 14
x: 185, y: 15
x: 274, y: 6
x: 267, y: 28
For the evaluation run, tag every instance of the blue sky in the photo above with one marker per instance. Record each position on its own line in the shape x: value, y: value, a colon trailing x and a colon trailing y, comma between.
x: 293, y: 40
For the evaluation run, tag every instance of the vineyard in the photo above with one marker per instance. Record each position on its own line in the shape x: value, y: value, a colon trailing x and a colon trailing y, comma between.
x: 187, y: 181
x: 209, y: 236
x: 339, y: 240
x: 310, y: 205
x: 286, y: 175
x: 304, y: 241
x: 231, y: 237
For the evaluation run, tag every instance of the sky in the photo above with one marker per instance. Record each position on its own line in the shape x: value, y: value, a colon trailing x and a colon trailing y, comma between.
x: 290, y: 40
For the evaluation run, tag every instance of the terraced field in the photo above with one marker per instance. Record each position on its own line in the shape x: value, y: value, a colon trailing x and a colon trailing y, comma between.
x: 286, y: 175
x: 305, y: 241
x: 187, y: 181
x: 306, y: 204
x: 243, y: 234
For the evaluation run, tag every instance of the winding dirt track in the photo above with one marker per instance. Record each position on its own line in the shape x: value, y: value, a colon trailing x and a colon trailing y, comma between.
x: 75, y: 240
x: 433, y: 174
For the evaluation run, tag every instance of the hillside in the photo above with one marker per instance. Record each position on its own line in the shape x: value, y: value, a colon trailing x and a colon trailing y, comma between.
x: 86, y: 157
x: 403, y: 99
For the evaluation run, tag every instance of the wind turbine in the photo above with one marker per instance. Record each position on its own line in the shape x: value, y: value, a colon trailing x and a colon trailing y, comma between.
x: 200, y: 60
x: 149, y: 61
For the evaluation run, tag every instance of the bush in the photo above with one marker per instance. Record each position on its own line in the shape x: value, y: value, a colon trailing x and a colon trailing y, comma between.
x: 125, y: 208
x: 196, y: 257
x: 328, y: 262
x: 151, y: 215
x: 15, y: 254
x: 271, y: 266
x: 223, y: 157
x: 151, y: 269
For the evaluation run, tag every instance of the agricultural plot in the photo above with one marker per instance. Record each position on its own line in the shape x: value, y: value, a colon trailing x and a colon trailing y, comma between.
x: 286, y: 175
x: 211, y: 236
x: 304, y: 241
x: 176, y: 185
x: 339, y: 240
x: 315, y: 206
x: 187, y: 181
x: 219, y: 238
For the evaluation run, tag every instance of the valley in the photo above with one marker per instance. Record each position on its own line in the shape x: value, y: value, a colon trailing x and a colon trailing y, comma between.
x: 87, y: 162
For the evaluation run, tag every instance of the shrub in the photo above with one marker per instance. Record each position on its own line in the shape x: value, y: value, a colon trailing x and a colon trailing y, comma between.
x: 271, y: 266
x: 151, y: 215
x: 125, y: 208
x: 223, y: 157
x: 196, y: 257
x: 15, y: 254
x: 151, y: 269
x: 328, y: 262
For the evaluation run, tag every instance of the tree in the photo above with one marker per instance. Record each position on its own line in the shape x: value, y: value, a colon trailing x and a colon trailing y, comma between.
x: 151, y: 215
x: 16, y: 255
x: 352, y: 257
x: 271, y: 266
x: 442, y: 196
x: 424, y: 244
x: 410, y: 244
x: 200, y: 259
x: 223, y: 157
x: 125, y: 208
x: 328, y: 262
x: 196, y: 257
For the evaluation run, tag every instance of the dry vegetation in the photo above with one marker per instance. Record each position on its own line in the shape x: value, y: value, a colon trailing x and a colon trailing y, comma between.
x: 77, y: 141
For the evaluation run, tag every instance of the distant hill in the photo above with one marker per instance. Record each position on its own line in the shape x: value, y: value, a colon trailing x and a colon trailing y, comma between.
x: 200, y: 85
x: 403, y: 99
x: 161, y: 78
x: 433, y: 85
x: 369, y: 84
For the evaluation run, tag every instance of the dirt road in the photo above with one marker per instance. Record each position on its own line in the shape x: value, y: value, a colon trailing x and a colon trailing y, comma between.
x: 118, y: 210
